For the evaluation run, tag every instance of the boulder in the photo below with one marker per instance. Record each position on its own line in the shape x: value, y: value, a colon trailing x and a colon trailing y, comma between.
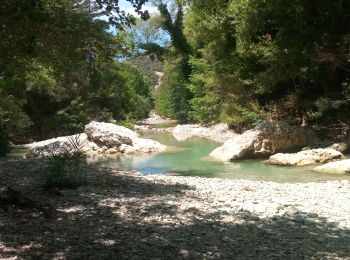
x: 342, y: 147
x: 99, y: 138
x: 109, y: 135
x: 342, y: 166
x: 147, y: 145
x: 303, y: 158
x: 59, y: 145
x: 264, y: 140
x: 217, y: 132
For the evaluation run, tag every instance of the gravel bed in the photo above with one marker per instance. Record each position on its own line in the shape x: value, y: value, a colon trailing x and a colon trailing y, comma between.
x: 123, y: 215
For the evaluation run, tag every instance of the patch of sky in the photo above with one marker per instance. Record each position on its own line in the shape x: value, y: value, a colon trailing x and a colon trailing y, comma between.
x: 127, y: 7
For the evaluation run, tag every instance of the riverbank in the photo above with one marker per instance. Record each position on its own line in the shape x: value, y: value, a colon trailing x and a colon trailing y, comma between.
x: 130, y: 216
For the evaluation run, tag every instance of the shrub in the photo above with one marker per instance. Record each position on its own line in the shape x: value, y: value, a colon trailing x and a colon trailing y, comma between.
x: 63, y: 171
x: 4, y: 143
x: 64, y: 168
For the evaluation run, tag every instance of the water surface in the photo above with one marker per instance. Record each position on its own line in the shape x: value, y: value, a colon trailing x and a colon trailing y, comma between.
x: 190, y: 158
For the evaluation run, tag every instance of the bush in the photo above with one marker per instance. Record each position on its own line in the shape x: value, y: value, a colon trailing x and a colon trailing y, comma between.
x: 4, y: 143
x: 64, y: 172
x: 64, y: 168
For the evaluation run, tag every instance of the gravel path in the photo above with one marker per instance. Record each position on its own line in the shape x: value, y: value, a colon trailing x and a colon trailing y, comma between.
x: 122, y: 215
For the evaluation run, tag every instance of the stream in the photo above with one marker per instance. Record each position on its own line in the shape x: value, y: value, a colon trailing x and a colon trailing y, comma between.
x: 190, y: 158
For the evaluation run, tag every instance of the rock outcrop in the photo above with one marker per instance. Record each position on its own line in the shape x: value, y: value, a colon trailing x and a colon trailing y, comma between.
x: 56, y: 146
x: 109, y: 135
x: 342, y: 147
x: 342, y: 167
x: 264, y: 140
x: 303, y: 158
x: 217, y: 132
x: 98, y: 138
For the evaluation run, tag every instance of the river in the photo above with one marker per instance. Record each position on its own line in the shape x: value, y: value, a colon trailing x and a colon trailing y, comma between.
x: 190, y: 158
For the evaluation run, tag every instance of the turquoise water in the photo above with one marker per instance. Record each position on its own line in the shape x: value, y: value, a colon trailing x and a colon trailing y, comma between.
x: 190, y: 158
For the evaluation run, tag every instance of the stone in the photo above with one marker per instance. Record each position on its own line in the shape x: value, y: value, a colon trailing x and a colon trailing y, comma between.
x: 312, y: 215
x: 268, y: 138
x: 155, y: 119
x: 57, y: 146
x: 342, y: 167
x: 303, y: 158
x: 342, y: 147
x: 119, y: 138
x: 216, y: 132
x: 112, y: 151
x: 291, y: 210
x: 98, y: 138
x: 109, y: 135
x: 147, y: 145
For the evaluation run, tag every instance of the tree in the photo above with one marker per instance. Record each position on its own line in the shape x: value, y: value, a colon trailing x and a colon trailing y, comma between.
x: 46, y: 49
x: 267, y: 58
x: 173, y: 96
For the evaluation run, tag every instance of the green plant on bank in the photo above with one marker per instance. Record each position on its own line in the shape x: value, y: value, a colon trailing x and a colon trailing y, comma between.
x: 4, y: 143
x: 64, y: 167
x: 127, y: 123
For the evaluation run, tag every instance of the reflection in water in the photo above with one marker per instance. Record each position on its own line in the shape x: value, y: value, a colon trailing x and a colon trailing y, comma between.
x: 190, y: 158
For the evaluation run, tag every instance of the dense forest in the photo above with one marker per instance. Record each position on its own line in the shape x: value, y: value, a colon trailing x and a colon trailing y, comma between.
x: 243, y: 61
x: 232, y: 61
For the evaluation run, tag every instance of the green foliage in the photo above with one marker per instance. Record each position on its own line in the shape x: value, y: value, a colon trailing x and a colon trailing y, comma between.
x: 13, y: 121
x: 252, y: 56
x: 4, y: 143
x: 127, y: 123
x: 73, y: 118
x: 63, y: 172
x: 64, y: 169
x: 58, y: 69
x: 205, y: 105
x: 228, y: 61
x: 172, y: 97
x: 122, y: 90
x: 147, y: 67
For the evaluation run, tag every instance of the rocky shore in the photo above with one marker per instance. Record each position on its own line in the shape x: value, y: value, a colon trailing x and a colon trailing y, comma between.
x: 99, y: 138
x: 123, y: 215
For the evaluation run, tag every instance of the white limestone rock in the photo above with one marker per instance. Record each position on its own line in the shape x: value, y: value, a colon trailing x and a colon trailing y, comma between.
x: 341, y: 167
x: 264, y: 140
x: 307, y: 157
x: 59, y: 145
x: 217, y: 132
x: 109, y: 135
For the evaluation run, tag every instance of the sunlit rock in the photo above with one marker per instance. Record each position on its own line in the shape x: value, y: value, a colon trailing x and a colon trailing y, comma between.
x: 303, y: 158
x: 109, y: 135
x: 264, y: 140
x: 59, y: 145
x: 217, y: 132
x: 99, y: 138
x: 342, y: 166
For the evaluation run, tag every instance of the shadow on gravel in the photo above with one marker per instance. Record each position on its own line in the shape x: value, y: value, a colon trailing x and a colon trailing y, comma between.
x: 121, y: 224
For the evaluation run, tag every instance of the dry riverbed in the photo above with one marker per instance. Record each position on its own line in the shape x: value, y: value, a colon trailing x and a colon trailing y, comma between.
x: 123, y: 215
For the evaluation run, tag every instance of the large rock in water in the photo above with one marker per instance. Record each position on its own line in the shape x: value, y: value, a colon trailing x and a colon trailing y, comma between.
x: 342, y: 167
x: 303, y: 158
x: 264, y: 140
x: 109, y: 135
x: 120, y: 138
x: 98, y: 138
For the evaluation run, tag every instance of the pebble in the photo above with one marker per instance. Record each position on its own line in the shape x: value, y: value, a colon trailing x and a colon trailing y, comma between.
x: 174, y: 217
